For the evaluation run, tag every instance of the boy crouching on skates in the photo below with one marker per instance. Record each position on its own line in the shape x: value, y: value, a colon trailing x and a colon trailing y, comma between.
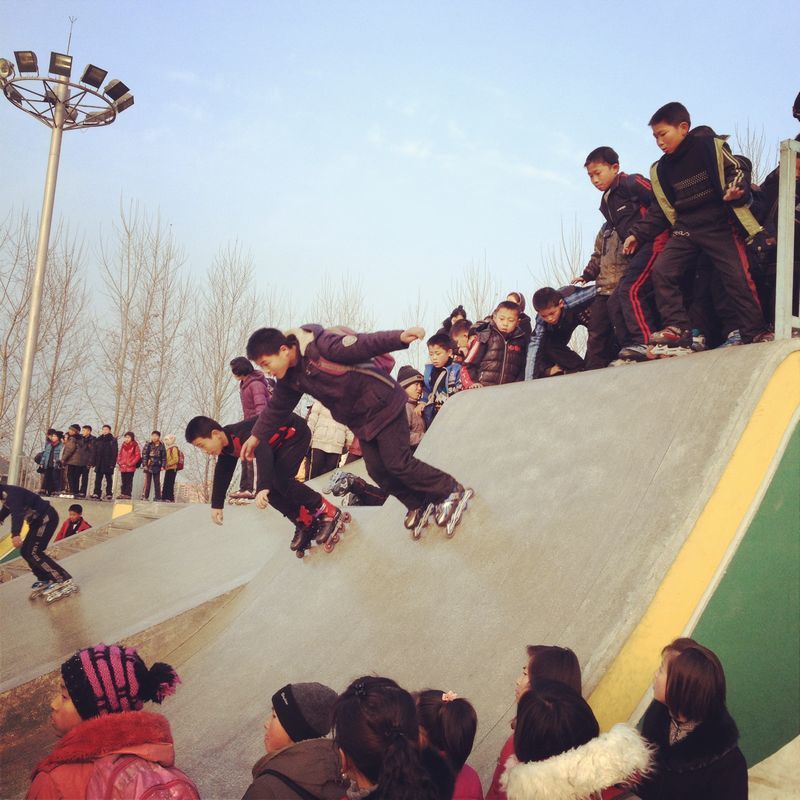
x: 278, y: 460
x: 52, y: 579
x: 335, y: 367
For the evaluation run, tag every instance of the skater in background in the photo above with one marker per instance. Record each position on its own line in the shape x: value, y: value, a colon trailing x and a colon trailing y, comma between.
x: 559, y: 752
x: 25, y: 506
x: 542, y: 663
x: 154, y: 454
x: 255, y: 389
x: 70, y: 458
x: 688, y: 722
x: 336, y: 367
x: 448, y: 723
x: 106, y: 451
x: 128, y: 460
x: 85, y: 459
x: 298, y: 750
x: 277, y: 460
x: 375, y: 729
x: 109, y: 746
x: 74, y: 523
x: 329, y: 439
x: 412, y: 381
x: 172, y: 464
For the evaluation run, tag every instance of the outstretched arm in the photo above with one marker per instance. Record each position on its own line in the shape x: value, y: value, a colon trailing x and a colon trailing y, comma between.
x: 356, y: 348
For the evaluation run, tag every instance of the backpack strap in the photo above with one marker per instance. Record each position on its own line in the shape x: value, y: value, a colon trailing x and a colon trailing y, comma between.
x: 295, y: 787
x: 335, y: 368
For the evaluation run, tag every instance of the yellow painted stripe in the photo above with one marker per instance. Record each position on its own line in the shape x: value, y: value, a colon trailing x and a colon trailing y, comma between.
x: 627, y: 679
x: 120, y: 509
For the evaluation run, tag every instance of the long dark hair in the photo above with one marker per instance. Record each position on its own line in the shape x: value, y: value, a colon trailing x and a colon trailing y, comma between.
x: 550, y: 662
x: 375, y: 725
x: 450, y: 724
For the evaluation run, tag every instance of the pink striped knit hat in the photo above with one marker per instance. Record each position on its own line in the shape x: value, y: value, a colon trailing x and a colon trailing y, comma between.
x: 108, y: 679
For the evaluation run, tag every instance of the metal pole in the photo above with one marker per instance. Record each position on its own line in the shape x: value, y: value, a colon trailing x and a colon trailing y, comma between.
x: 786, y: 244
x: 15, y: 465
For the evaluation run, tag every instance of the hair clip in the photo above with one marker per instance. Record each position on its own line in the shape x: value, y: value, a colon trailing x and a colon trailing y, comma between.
x: 448, y: 697
x: 359, y: 689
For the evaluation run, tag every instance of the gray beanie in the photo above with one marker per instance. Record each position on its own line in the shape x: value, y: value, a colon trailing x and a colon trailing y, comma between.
x: 305, y: 710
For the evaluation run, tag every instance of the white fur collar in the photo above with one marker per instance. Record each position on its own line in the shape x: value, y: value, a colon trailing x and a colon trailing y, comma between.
x: 304, y: 338
x: 611, y: 758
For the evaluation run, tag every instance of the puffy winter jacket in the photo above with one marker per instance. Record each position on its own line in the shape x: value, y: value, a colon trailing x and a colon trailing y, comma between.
x: 105, y: 453
x: 254, y: 391
x: 55, y: 449
x: 327, y: 434
x: 86, y: 758
x: 69, y: 453
x: 494, y: 358
x: 129, y: 456
x: 154, y: 454
x: 85, y: 452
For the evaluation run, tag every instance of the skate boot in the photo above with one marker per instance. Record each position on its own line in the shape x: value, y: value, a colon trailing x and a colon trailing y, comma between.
x: 449, y: 511
x: 329, y: 522
x: 333, y: 481
x: 413, y: 516
x: 635, y: 352
x: 303, y: 533
x: 671, y: 341
x: 424, y: 515
x: 733, y: 339
x: 59, y: 590
x: 39, y: 588
x: 346, y: 482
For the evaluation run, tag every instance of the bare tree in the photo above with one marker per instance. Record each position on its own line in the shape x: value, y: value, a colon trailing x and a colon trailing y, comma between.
x: 414, y: 314
x: 476, y: 290
x: 341, y: 301
x: 753, y: 144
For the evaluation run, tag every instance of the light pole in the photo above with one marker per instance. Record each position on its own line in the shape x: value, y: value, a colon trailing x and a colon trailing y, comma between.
x: 63, y: 106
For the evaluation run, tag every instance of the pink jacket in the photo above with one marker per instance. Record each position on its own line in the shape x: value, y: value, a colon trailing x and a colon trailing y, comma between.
x: 495, y: 792
x: 67, y: 771
x: 468, y: 785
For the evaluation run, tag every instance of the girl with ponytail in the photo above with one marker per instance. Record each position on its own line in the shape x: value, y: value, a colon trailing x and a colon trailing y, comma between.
x: 107, y: 740
x: 375, y: 729
x: 448, y: 723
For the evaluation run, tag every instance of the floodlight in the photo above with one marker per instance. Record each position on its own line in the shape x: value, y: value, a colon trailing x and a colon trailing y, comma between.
x: 6, y: 68
x: 26, y: 61
x: 99, y: 117
x: 115, y: 89
x: 60, y: 64
x: 93, y: 75
x: 126, y: 101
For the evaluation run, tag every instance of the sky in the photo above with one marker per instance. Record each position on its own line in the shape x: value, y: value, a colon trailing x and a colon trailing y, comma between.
x: 397, y: 143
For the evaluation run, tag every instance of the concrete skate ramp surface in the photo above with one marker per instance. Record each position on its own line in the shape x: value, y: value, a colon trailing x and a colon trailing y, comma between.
x: 588, y: 487
x: 127, y: 585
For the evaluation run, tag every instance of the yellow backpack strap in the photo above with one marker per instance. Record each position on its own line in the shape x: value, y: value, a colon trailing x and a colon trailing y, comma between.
x: 658, y: 191
x: 745, y: 216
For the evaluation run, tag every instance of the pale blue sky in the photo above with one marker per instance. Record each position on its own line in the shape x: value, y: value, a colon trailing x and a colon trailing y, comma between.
x: 396, y: 141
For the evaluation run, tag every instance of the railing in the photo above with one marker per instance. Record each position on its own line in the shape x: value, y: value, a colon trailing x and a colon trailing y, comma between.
x: 784, y: 278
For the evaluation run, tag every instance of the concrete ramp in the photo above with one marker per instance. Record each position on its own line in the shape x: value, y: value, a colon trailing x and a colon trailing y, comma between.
x: 589, y: 490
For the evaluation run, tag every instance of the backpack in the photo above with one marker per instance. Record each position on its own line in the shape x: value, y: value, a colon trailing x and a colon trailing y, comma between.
x: 180, y: 460
x: 127, y: 777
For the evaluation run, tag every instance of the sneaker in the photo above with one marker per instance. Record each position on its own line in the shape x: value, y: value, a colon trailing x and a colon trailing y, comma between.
x: 40, y: 584
x: 672, y: 336
x: 109, y: 497
x: 734, y: 339
x: 413, y: 517
x: 764, y: 336
x: 95, y: 497
x: 635, y: 352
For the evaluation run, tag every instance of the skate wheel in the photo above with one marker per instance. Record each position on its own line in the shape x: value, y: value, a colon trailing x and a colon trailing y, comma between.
x: 329, y: 545
x: 346, y: 517
x: 415, y: 535
x: 335, y: 538
x: 300, y: 553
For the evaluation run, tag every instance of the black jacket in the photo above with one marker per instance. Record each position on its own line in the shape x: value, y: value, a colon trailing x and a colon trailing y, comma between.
x: 706, y: 765
x: 20, y: 505
x: 237, y: 434
x: 626, y: 202
x: 494, y: 358
x: 105, y: 453
x: 335, y: 367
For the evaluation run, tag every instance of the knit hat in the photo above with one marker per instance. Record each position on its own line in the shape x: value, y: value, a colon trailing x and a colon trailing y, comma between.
x: 408, y: 375
x: 108, y: 679
x: 305, y: 710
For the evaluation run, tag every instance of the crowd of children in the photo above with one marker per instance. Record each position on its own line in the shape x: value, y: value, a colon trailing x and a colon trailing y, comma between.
x: 377, y: 740
x: 66, y: 460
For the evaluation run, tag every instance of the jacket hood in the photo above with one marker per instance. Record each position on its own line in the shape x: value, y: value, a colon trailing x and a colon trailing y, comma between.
x: 140, y: 733
x: 304, y: 335
x: 313, y: 764
x: 614, y: 757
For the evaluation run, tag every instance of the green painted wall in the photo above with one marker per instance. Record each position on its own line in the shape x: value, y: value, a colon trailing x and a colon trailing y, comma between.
x: 753, y: 620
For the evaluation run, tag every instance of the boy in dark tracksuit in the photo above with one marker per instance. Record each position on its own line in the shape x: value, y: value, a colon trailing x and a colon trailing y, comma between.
x: 278, y: 460
x: 702, y: 190
x: 559, y: 312
x: 22, y: 505
x: 630, y: 304
x: 335, y: 366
